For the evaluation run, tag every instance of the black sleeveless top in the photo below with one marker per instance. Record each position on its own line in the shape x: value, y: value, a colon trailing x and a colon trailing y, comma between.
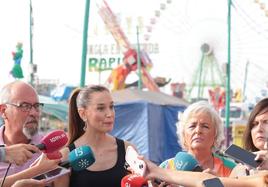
x: 106, y: 178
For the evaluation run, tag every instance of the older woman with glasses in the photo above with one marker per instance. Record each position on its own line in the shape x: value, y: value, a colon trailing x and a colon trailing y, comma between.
x: 200, y: 131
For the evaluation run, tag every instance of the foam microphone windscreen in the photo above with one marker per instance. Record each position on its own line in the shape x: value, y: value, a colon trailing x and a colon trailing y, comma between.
x: 186, y: 162
x: 134, y: 180
x: 81, y: 158
x: 53, y: 141
x: 182, y: 161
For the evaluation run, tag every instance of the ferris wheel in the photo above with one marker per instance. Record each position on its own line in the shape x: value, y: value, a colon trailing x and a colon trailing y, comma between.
x: 197, y: 36
x: 185, y: 29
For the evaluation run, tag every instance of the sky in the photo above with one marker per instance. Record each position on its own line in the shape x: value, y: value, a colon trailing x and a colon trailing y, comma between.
x: 174, y: 41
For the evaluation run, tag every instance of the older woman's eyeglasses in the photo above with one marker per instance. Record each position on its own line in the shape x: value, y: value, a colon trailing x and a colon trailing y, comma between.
x: 26, y: 107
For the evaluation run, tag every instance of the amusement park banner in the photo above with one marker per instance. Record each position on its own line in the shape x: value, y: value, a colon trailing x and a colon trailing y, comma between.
x: 103, y: 64
x: 102, y: 57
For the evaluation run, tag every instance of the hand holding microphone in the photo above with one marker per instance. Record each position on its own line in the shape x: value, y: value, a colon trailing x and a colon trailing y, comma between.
x: 182, y: 161
x: 79, y: 159
x: 49, y: 144
x: 43, y: 164
x: 19, y: 153
x: 145, y: 168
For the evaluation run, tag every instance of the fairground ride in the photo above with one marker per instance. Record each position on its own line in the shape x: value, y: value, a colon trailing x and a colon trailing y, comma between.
x: 208, y: 78
x: 120, y: 73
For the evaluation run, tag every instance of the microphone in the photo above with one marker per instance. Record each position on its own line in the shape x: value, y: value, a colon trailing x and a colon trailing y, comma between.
x: 182, y: 161
x: 79, y: 158
x: 133, y: 180
x: 53, y: 141
x: 186, y: 162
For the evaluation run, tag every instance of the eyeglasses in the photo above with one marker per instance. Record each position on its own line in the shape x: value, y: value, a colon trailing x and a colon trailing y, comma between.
x: 26, y: 107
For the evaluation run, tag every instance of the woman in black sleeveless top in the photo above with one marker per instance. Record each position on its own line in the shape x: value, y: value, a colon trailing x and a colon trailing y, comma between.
x: 91, y: 118
x: 109, y: 177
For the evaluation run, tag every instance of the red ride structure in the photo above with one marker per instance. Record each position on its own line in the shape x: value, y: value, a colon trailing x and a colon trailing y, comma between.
x: 119, y: 74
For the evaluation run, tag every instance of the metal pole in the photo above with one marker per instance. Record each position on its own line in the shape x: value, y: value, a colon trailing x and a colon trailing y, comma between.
x: 245, y: 82
x: 84, y: 46
x: 200, y: 76
x: 31, y: 44
x: 139, y: 60
x: 228, y: 77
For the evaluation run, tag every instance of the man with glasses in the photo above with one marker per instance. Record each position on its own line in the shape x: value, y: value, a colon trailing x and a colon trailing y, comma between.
x: 20, y: 110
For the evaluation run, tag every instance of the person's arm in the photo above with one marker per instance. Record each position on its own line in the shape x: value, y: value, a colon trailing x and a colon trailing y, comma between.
x: 239, y: 171
x: 18, y: 154
x: 29, y: 183
x: 42, y: 165
x: 253, y: 182
x: 232, y: 182
x: 63, y: 180
x: 246, y: 181
x: 195, y: 179
x: 184, y: 178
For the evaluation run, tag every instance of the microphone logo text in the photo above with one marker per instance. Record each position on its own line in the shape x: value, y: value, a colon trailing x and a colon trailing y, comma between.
x: 78, y: 152
x: 56, y: 138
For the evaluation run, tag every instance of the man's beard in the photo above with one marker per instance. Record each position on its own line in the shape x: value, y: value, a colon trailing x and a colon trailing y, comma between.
x: 29, y: 132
